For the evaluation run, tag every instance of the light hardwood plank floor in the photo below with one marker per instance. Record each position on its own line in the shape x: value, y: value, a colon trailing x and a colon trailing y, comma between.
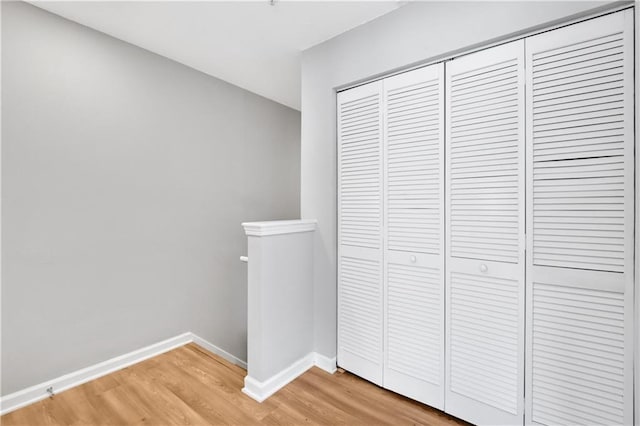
x: 191, y: 386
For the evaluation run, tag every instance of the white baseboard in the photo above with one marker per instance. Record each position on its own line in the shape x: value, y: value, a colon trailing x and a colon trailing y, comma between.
x: 254, y: 388
x: 38, y: 392
x: 325, y: 363
x: 220, y: 352
x: 263, y: 390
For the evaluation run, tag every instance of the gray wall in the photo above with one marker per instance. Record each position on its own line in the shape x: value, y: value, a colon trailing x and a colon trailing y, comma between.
x: 125, y: 177
x: 417, y: 32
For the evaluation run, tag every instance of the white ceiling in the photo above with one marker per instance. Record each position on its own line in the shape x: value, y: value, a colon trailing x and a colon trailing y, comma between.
x: 247, y: 43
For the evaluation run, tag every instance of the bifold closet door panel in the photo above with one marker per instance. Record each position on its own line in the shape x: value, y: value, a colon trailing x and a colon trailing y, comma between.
x: 414, y: 234
x: 485, y: 236
x: 360, y: 223
x: 580, y: 154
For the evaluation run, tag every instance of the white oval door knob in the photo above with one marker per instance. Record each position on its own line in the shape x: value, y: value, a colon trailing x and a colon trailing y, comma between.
x: 413, y: 259
x: 483, y: 268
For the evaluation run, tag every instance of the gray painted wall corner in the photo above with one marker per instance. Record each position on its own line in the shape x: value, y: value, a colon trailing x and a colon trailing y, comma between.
x: 125, y: 177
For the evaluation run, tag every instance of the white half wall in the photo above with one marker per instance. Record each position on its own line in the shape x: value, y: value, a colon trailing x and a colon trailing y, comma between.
x: 280, y: 304
x: 416, y: 33
x: 280, y: 299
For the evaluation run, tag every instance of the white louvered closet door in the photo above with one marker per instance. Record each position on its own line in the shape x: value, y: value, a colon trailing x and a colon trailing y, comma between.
x: 485, y: 236
x: 580, y: 158
x: 414, y: 238
x: 360, y: 236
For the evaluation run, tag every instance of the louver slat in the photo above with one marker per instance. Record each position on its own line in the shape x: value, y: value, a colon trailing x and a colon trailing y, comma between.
x: 360, y: 218
x: 484, y: 154
x: 413, y: 144
x: 360, y: 164
x: 580, y: 223
x: 360, y: 320
x: 414, y: 322
x: 579, y: 369
x: 587, y: 151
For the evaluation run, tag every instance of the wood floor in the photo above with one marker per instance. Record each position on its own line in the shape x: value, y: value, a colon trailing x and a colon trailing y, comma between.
x: 191, y: 386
